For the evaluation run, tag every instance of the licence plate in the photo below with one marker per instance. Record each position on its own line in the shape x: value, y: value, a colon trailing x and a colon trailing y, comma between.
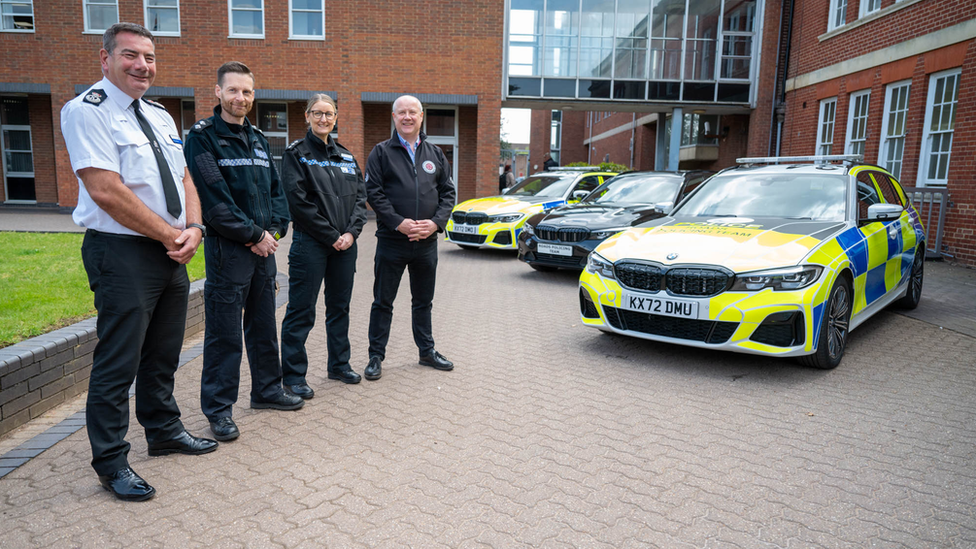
x: 556, y: 249
x: 659, y: 305
x: 465, y: 229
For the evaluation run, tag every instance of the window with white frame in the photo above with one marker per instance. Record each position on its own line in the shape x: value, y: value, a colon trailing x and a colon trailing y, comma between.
x: 306, y: 19
x: 16, y: 15
x: 869, y: 6
x: 894, y: 127
x: 273, y: 122
x: 188, y: 116
x: 825, y: 129
x: 556, y: 135
x: 18, y: 153
x: 100, y: 14
x: 246, y: 18
x: 857, y: 122
x: 163, y: 17
x: 838, y: 14
x: 940, y: 122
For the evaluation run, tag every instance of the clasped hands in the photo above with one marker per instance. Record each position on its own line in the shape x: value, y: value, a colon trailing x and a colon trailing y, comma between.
x: 264, y: 247
x: 417, y: 230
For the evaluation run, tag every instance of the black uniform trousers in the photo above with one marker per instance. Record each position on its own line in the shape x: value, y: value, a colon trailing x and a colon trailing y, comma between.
x: 140, y: 295
x: 392, y: 257
x: 310, y: 263
x: 238, y: 280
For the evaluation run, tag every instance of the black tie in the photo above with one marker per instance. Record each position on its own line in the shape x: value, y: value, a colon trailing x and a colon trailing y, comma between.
x: 169, y: 186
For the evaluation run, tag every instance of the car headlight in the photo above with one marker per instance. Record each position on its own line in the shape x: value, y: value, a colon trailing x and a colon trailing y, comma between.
x: 596, y: 263
x: 786, y: 279
x: 529, y: 229
x: 604, y: 234
x: 505, y: 218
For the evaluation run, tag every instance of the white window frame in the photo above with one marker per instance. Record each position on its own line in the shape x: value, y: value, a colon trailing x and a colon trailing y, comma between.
x: 32, y: 16
x: 857, y: 126
x: 864, y: 10
x: 925, y: 152
x: 184, y: 130
x: 88, y: 3
x: 828, y: 109
x: 145, y: 18
x: 291, y: 26
x: 886, y: 140
x: 837, y: 8
x: 6, y: 172
x: 230, y: 21
x: 277, y: 133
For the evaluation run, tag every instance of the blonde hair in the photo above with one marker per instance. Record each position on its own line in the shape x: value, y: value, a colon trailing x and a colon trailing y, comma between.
x: 320, y: 97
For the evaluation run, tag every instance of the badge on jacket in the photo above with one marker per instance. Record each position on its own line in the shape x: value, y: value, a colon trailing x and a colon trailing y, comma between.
x: 429, y: 166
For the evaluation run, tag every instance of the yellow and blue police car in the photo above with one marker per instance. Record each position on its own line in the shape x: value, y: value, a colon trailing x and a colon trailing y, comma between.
x: 496, y: 221
x: 776, y: 256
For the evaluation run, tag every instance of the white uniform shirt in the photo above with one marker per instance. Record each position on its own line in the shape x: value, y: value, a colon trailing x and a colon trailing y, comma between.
x: 104, y: 133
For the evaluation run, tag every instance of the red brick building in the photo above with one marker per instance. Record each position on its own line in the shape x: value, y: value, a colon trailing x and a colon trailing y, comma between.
x: 894, y: 80
x: 364, y: 54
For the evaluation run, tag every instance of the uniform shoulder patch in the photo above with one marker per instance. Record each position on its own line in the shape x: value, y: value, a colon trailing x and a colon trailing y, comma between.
x: 155, y: 104
x: 294, y: 144
x: 95, y: 97
x: 258, y: 131
x: 200, y: 125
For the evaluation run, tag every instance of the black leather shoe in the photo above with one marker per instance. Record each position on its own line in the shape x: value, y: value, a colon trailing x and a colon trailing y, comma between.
x: 346, y: 376
x: 224, y: 429
x: 281, y: 401
x: 436, y: 360
x: 374, y: 369
x: 127, y: 485
x: 184, y: 443
x: 300, y: 390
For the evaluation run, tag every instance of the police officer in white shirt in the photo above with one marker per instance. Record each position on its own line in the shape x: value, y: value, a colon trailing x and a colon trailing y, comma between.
x: 140, y: 207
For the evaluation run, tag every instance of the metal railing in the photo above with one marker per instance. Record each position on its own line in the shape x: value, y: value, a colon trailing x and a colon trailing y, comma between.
x: 932, y: 203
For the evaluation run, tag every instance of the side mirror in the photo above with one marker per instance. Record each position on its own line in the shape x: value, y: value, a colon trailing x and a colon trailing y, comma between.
x: 580, y: 195
x: 883, y: 212
x: 665, y: 207
x: 505, y: 190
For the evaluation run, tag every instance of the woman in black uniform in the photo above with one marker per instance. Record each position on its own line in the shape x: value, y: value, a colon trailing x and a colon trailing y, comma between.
x: 327, y: 199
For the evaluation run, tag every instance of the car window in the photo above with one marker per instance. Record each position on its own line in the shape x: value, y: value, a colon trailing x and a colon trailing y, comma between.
x: 888, y: 190
x: 692, y: 184
x: 867, y: 194
x: 542, y: 185
x: 588, y: 183
x: 819, y: 197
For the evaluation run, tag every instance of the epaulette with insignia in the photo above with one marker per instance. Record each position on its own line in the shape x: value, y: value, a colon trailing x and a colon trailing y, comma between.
x: 258, y: 131
x: 155, y: 104
x: 294, y: 144
x: 95, y: 97
x: 200, y: 125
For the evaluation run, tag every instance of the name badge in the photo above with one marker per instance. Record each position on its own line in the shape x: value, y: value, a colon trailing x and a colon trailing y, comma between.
x: 176, y: 141
x: 348, y: 170
x: 347, y: 157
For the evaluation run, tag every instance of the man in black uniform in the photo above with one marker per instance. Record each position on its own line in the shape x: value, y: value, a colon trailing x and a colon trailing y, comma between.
x: 409, y: 186
x: 245, y: 211
x: 139, y: 205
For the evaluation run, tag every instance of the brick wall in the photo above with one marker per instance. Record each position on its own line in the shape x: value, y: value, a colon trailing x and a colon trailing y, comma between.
x: 574, y: 133
x: 38, y: 374
x: 540, y: 134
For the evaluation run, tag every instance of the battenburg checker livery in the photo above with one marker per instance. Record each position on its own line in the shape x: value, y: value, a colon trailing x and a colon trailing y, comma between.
x: 773, y: 257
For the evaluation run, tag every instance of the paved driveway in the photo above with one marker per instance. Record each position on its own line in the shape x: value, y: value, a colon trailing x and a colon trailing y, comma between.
x: 548, y: 434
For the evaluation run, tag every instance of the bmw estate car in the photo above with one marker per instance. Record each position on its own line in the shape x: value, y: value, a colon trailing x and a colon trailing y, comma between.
x: 565, y: 236
x: 496, y: 221
x: 777, y: 256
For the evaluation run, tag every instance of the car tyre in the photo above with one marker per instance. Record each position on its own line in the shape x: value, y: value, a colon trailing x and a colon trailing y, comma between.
x: 914, y: 293
x: 834, y: 328
x: 542, y: 268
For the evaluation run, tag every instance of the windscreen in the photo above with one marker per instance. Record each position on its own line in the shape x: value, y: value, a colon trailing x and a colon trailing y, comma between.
x: 637, y: 190
x: 803, y: 196
x: 543, y: 185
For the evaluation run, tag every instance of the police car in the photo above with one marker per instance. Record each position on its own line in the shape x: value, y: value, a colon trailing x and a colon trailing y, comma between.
x: 496, y: 221
x: 565, y: 236
x: 776, y: 256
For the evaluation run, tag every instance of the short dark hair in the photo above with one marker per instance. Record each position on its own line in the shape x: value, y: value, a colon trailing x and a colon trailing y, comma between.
x: 108, y: 37
x: 235, y: 67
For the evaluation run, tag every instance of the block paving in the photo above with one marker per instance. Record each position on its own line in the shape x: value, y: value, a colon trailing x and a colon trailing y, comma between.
x: 549, y: 434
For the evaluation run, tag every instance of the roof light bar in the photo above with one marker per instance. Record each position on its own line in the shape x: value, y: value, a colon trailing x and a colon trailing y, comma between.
x: 817, y: 159
x: 575, y: 169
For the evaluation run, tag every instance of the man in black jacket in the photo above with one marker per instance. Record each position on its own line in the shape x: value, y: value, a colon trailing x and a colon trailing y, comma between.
x: 409, y: 186
x: 245, y: 213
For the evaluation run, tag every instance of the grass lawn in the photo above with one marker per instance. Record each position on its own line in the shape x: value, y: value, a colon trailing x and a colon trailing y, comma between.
x: 43, y: 285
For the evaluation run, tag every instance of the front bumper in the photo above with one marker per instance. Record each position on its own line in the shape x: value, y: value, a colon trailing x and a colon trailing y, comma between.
x: 781, y: 324
x: 489, y: 235
x: 528, y: 251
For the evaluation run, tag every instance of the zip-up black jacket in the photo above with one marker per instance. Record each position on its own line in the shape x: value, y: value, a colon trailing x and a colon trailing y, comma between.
x: 240, y: 193
x: 398, y: 190
x: 325, y: 189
